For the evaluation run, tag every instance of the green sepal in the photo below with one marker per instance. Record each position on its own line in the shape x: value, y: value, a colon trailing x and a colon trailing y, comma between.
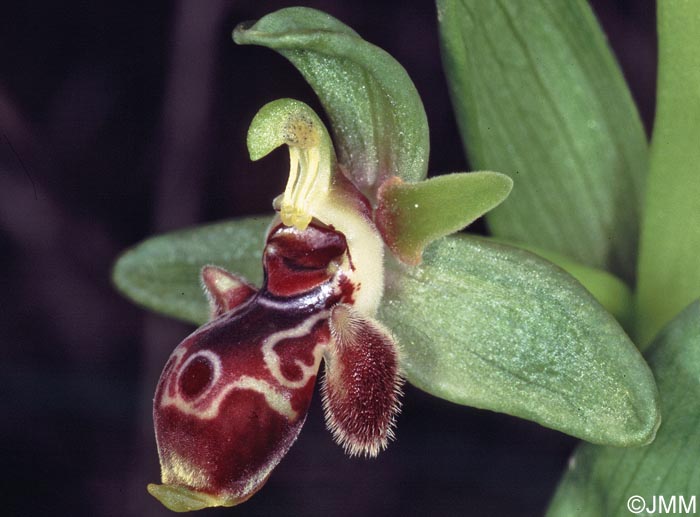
x: 162, y: 273
x: 412, y: 215
x: 601, y: 480
x: 379, y: 125
x: 611, y: 292
x: 495, y: 327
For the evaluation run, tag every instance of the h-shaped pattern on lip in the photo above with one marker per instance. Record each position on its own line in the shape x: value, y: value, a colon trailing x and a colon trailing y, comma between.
x: 206, y: 403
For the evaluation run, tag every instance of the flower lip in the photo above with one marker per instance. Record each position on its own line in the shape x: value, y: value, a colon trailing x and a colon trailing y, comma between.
x: 218, y: 446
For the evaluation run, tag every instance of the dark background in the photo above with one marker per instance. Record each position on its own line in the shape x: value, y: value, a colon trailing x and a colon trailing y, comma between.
x: 120, y: 120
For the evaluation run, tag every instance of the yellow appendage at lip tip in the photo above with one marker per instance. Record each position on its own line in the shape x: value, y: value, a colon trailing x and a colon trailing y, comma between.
x: 182, y: 499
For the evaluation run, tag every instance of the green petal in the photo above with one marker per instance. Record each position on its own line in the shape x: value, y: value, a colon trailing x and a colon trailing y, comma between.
x: 162, y: 273
x: 378, y: 121
x: 412, y: 215
x: 539, y: 96
x: 600, y: 480
x: 498, y: 328
x: 669, y: 263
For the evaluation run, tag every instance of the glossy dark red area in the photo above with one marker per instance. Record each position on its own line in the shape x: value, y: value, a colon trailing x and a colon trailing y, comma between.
x: 297, y: 261
x: 284, y: 280
x: 196, y: 376
x: 313, y: 248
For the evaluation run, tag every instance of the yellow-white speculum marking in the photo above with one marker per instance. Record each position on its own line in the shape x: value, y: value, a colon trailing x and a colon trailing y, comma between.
x: 208, y: 408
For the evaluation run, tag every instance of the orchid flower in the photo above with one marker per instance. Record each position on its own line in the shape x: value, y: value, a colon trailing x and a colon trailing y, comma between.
x: 360, y: 274
x: 234, y: 394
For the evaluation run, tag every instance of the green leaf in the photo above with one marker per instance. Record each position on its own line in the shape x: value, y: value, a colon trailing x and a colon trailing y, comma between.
x: 600, y: 480
x: 491, y: 326
x: 162, y: 273
x: 611, y: 292
x: 378, y: 121
x: 412, y: 215
x: 539, y: 96
x: 669, y: 268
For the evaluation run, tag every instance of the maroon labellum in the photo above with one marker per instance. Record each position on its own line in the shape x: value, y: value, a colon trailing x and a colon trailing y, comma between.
x: 234, y: 394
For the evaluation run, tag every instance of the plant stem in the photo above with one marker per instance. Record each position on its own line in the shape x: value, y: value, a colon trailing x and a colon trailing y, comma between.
x: 669, y: 267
